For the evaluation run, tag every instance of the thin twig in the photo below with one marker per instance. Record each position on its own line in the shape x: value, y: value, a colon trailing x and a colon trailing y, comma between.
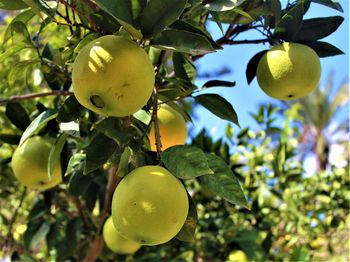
x: 96, y: 245
x: 34, y: 95
x: 155, y: 106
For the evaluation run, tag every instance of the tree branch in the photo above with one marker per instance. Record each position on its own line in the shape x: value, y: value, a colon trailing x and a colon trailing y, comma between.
x: 34, y: 95
x: 96, y: 245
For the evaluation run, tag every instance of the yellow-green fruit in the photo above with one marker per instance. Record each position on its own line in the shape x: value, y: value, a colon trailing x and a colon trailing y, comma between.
x: 115, y: 242
x: 172, y: 128
x: 113, y: 76
x: 238, y: 256
x: 30, y: 163
x: 149, y: 206
x: 12, y: 4
x: 289, y: 71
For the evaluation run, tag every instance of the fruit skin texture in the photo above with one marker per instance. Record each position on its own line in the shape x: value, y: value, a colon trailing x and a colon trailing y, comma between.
x: 30, y: 163
x: 172, y: 128
x: 237, y: 256
x: 12, y: 4
x: 113, y: 76
x: 115, y: 242
x: 149, y: 206
x: 289, y: 71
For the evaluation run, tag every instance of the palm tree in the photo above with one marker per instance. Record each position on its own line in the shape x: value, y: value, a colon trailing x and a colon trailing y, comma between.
x: 326, y: 123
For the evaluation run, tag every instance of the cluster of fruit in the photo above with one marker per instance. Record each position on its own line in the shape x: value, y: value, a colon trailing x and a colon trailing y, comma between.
x: 113, y: 76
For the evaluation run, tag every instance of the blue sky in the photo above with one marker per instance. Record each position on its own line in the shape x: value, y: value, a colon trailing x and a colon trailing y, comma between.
x: 246, y: 98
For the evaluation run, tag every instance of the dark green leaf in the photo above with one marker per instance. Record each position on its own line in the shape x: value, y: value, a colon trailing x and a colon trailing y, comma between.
x: 324, y: 49
x: 18, y: 116
x: 113, y: 128
x: 185, y: 26
x: 70, y: 110
x: 185, y: 161
x: 78, y: 183
x: 182, y: 41
x: 223, y: 5
x: 121, y: 11
x: 105, y: 21
x: 20, y: 32
x: 99, y: 151
x: 217, y: 20
x: 35, y: 233
x: 124, y: 162
x: 52, y: 236
x: 73, y: 234
x: 55, y: 154
x: 10, y: 139
x: 223, y: 182
x: 219, y: 106
x: 13, y: 5
x: 290, y: 23
x: 330, y: 3
x: 188, y: 230
x: 317, y: 28
x: 300, y: 254
x: 215, y: 83
x: 252, y: 65
x: 184, y: 67
x: 38, y: 123
x: 160, y: 13
x: 45, y: 7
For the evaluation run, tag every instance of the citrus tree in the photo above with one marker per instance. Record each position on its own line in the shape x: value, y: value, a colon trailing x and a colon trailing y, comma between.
x: 95, y: 97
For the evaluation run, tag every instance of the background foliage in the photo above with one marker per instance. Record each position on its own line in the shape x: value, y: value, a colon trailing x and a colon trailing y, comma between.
x: 286, y: 214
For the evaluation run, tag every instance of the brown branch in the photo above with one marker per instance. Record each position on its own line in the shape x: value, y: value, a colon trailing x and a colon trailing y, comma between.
x: 96, y: 245
x: 34, y: 95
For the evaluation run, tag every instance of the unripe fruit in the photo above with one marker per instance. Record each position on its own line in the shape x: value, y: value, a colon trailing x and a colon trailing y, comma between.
x: 149, y: 206
x: 115, y: 242
x: 172, y: 128
x: 289, y: 71
x: 30, y: 163
x: 113, y: 76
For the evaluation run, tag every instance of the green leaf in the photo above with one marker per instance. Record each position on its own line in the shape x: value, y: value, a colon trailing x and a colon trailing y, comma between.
x: 216, y: 18
x: 219, y: 106
x: 73, y: 235
x: 188, y: 230
x: 55, y: 154
x: 48, y: 7
x: 105, y: 21
x: 18, y: 116
x: 11, y: 51
x: 70, y: 110
x: 182, y: 41
x: 184, y: 67
x: 317, y: 28
x: 290, y: 23
x: 12, y: 5
x: 124, y: 162
x: 121, y: 11
x: 24, y: 17
x: 215, y: 83
x: 223, y: 182
x: 113, y: 128
x: 143, y: 116
x: 324, y: 49
x: 20, y: 70
x: 160, y: 13
x: 300, y: 254
x: 252, y: 66
x: 223, y: 5
x: 20, y: 33
x: 99, y: 151
x: 185, y: 161
x: 36, y: 233
x: 10, y: 139
x: 38, y: 123
x: 78, y: 183
x: 330, y: 3
x: 76, y: 163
